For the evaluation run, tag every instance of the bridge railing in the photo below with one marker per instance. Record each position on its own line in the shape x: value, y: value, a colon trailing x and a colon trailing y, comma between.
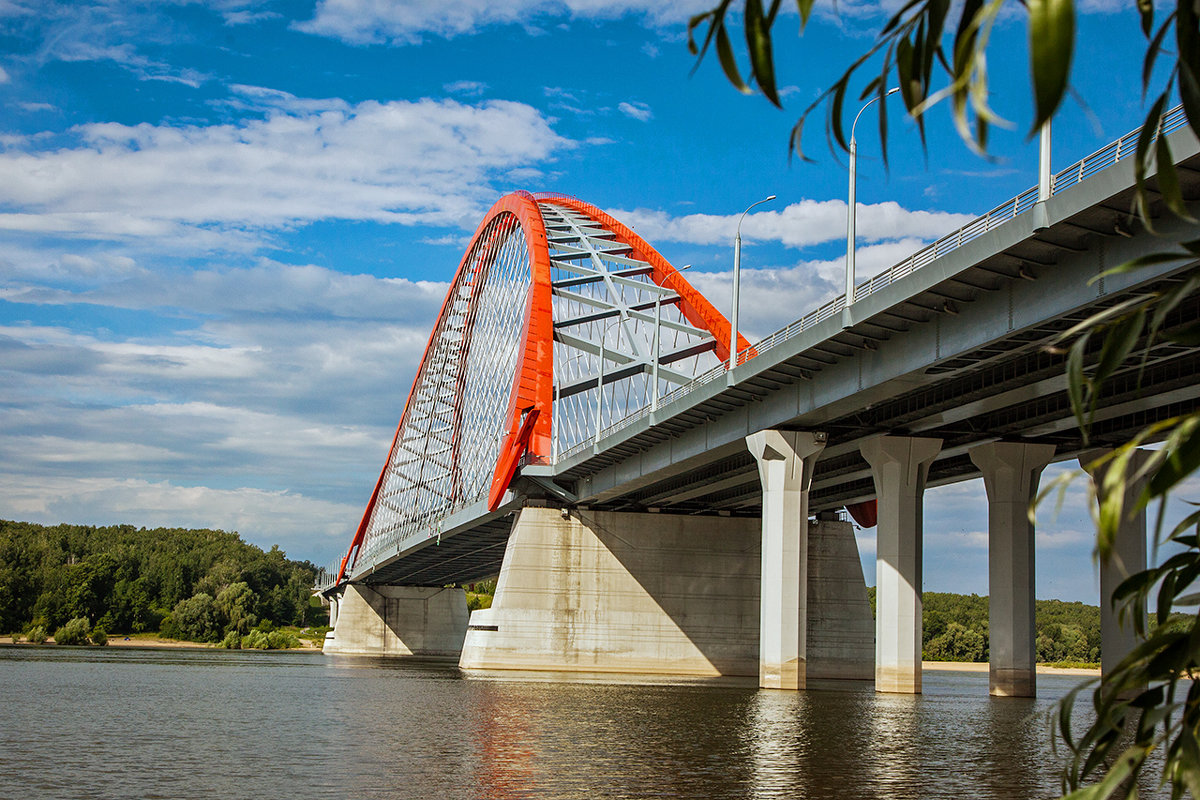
x: 1081, y: 170
x: 326, y: 577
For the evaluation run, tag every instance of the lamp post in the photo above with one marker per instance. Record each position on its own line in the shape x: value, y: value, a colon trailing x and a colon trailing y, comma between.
x: 851, y: 211
x: 737, y: 276
x: 658, y: 344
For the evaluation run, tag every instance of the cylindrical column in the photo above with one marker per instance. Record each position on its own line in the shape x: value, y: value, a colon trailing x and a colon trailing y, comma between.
x: 785, y: 463
x: 850, y: 215
x: 737, y: 289
x: 1044, y: 174
x: 1011, y: 471
x: 899, y: 467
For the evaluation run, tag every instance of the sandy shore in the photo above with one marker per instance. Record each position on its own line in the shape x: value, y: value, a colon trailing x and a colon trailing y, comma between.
x: 1042, y: 669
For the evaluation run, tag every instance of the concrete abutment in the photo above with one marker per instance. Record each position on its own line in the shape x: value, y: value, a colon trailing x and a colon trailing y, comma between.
x: 425, y: 621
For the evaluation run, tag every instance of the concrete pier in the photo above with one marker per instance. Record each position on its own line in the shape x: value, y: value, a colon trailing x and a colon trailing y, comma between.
x: 1011, y: 471
x: 661, y: 594
x: 1128, y: 556
x: 785, y: 462
x: 427, y: 621
x: 622, y: 592
x: 841, y: 630
x: 899, y: 467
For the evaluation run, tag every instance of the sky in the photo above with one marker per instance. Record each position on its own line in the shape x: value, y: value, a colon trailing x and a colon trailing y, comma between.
x: 226, y: 227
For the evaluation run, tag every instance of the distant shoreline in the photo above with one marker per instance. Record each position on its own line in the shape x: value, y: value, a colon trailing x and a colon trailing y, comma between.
x: 982, y: 666
x: 171, y: 644
x: 154, y: 643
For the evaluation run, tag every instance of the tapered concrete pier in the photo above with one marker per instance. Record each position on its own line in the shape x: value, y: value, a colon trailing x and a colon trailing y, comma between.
x: 785, y: 463
x: 1011, y: 471
x: 899, y: 466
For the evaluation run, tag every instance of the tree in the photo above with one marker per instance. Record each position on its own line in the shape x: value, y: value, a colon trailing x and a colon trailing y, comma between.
x: 237, y: 604
x: 936, y: 51
x: 74, y: 632
x: 197, y: 619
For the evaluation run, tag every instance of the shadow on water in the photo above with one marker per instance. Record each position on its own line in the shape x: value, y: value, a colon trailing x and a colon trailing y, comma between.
x: 180, y: 724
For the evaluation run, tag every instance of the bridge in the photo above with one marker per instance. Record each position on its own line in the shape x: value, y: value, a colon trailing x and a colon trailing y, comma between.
x: 575, y: 428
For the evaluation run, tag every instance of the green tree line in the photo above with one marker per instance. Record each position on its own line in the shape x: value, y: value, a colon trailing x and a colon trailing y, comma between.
x: 955, y: 628
x: 203, y: 585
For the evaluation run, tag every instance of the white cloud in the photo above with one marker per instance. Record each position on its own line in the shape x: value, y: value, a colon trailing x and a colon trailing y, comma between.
x: 639, y: 111
x: 776, y: 296
x: 423, y: 162
x: 405, y: 22
x: 800, y: 224
x: 467, y: 88
x: 4, y: 76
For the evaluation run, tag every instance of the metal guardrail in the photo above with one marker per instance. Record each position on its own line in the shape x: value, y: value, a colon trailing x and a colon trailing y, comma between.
x: 1072, y: 176
x: 383, y: 547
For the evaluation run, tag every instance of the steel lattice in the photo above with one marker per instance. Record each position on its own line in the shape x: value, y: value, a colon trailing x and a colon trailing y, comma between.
x: 449, y: 440
x: 605, y: 300
x: 559, y: 322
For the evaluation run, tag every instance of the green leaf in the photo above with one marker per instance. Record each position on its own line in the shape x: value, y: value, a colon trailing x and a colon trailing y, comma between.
x: 1146, y: 11
x: 1189, y: 335
x: 1141, y: 161
x: 1077, y: 383
x: 805, y: 8
x: 1051, y: 45
x: 728, y: 62
x: 1168, y: 181
x: 758, y: 44
x: 1152, y: 51
x: 1182, y: 460
x: 1187, y: 39
x: 1118, y: 344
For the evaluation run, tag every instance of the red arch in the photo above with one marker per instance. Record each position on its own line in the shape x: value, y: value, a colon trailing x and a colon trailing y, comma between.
x: 529, y: 419
x: 534, y: 381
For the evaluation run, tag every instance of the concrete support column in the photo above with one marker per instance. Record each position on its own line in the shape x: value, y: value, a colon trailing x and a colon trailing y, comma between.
x: 899, y: 466
x: 1011, y: 471
x: 785, y: 462
x: 1128, y: 556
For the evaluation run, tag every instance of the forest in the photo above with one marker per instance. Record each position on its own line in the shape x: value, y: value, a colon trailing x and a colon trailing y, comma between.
x: 955, y: 628
x: 200, y: 585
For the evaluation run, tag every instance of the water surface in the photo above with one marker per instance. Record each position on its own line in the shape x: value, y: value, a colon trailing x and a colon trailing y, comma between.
x: 127, y: 723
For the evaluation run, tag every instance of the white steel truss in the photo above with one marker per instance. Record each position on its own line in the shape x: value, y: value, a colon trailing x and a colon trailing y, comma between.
x: 620, y: 340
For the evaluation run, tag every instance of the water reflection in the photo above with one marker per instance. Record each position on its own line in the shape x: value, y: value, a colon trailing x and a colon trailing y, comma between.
x: 211, y: 725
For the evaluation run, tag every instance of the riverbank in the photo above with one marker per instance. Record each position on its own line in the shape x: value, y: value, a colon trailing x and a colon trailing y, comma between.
x: 156, y: 643
x: 982, y: 666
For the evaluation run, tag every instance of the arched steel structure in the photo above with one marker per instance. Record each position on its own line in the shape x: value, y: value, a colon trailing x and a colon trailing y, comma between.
x: 559, y: 321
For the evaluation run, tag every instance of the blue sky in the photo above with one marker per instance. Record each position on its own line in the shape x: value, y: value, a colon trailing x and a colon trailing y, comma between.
x: 226, y: 226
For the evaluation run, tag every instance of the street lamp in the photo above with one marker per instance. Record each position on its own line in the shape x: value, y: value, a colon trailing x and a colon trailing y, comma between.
x: 851, y: 211
x: 737, y: 275
x: 658, y: 343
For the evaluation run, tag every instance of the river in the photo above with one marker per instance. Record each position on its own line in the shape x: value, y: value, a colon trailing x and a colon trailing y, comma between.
x: 141, y: 723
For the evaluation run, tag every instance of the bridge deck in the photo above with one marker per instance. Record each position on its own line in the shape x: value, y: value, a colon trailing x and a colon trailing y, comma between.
x: 957, y: 349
